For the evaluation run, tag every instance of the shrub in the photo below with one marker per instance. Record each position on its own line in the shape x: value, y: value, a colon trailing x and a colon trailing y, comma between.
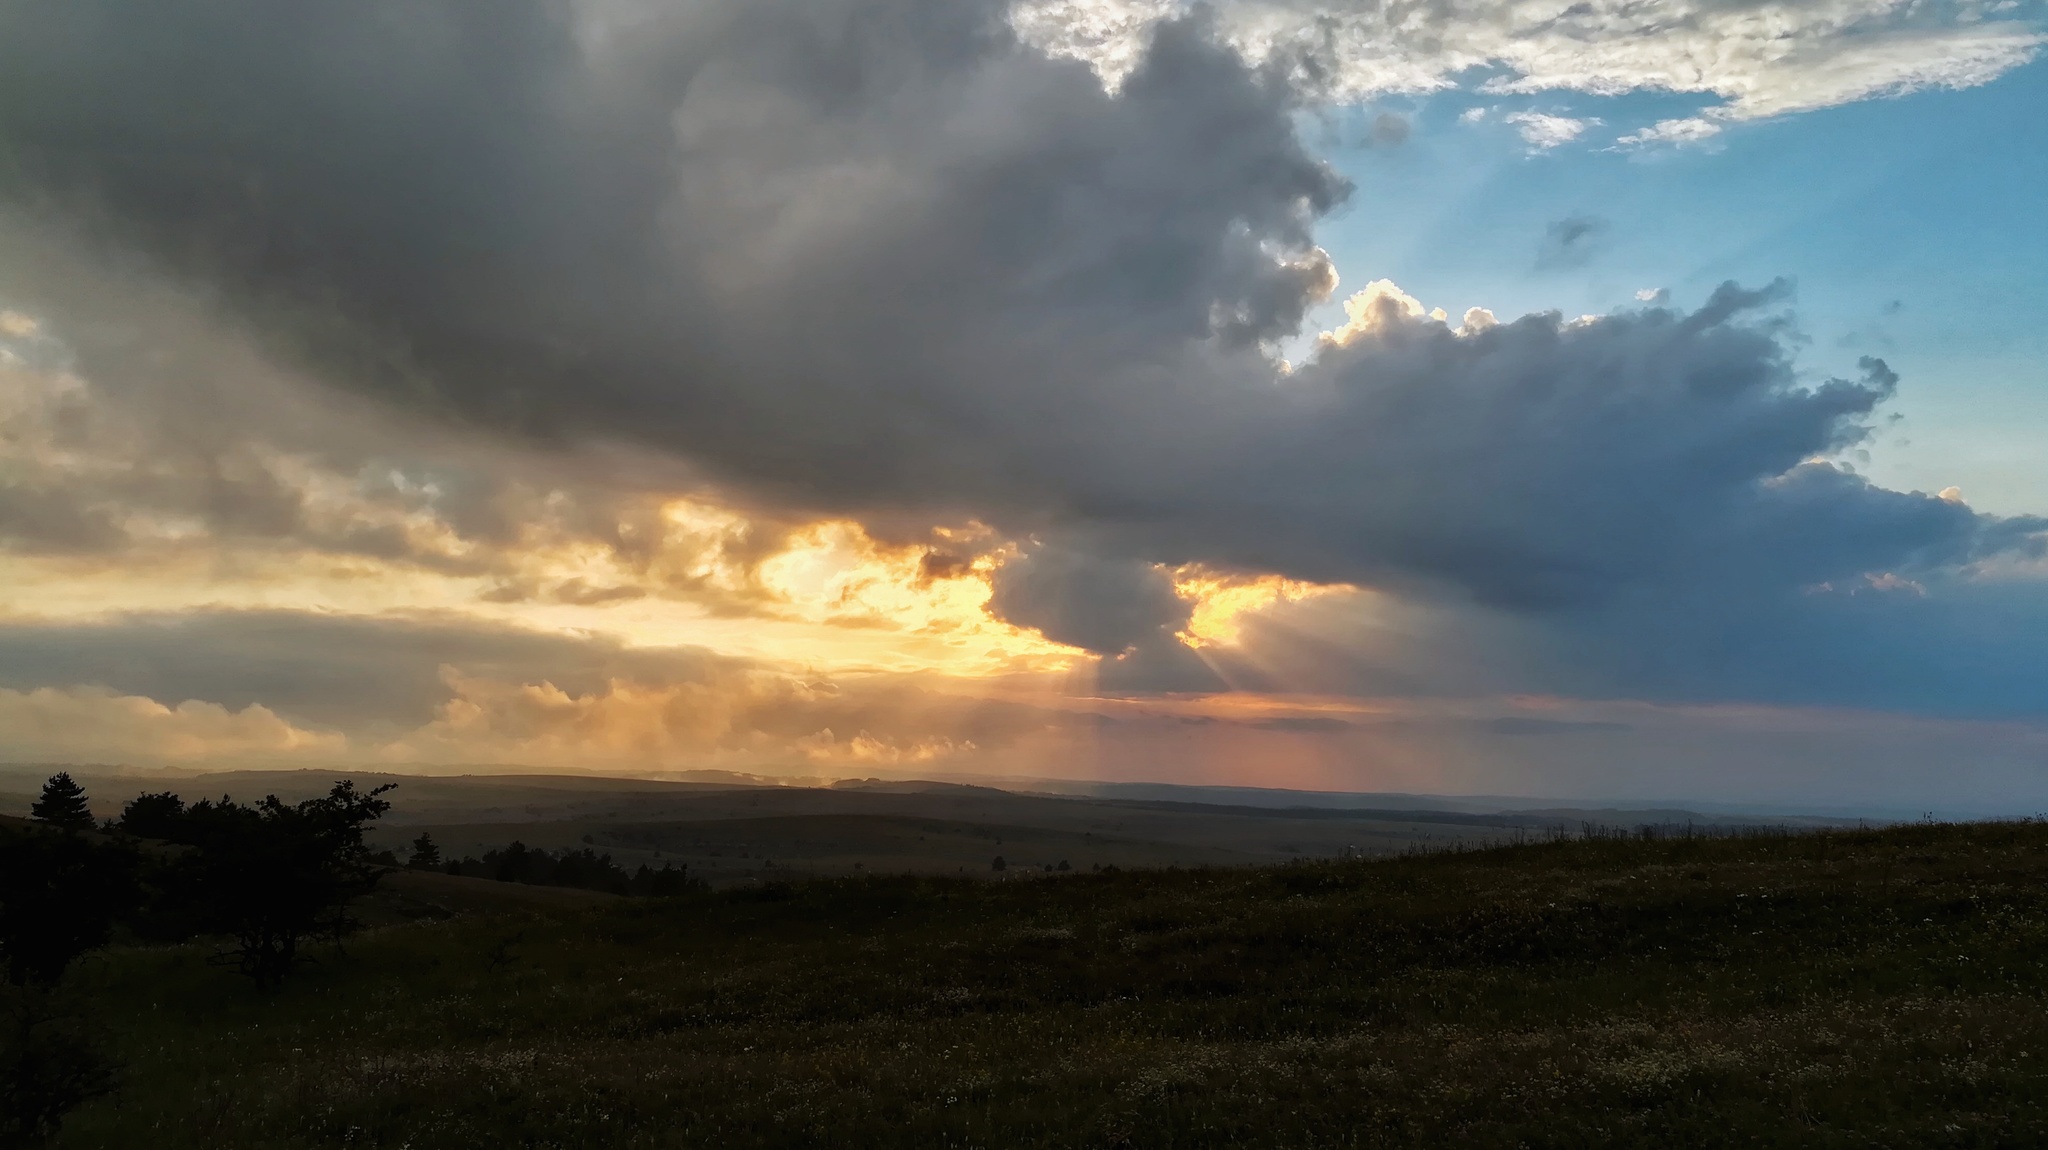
x: 59, y: 895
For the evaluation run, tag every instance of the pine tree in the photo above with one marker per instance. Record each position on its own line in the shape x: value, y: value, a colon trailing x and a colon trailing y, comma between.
x: 425, y: 855
x: 63, y: 803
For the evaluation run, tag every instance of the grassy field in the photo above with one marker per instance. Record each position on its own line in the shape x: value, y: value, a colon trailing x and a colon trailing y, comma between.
x: 1853, y: 988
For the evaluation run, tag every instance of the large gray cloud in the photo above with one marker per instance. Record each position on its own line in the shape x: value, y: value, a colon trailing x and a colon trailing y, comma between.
x: 1079, y: 599
x: 847, y: 248
x: 876, y: 257
x: 1126, y: 610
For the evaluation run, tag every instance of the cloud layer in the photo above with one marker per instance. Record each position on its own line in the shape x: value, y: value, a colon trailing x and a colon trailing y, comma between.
x: 571, y: 307
x: 874, y: 257
x: 1759, y: 60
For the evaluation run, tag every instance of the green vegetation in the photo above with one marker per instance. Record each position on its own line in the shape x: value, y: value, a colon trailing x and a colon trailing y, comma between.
x: 1828, y: 989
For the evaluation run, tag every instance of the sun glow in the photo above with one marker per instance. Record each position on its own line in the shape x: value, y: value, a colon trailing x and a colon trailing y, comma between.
x: 1221, y: 601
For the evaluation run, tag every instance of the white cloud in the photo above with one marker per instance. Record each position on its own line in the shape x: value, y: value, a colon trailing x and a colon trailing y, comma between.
x: 1543, y: 132
x: 1764, y: 59
x: 1477, y: 319
x: 1690, y: 130
x: 1654, y: 295
x: 93, y: 723
x: 1378, y: 306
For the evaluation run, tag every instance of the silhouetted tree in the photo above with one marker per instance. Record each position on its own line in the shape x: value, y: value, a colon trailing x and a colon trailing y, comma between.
x: 425, y: 855
x: 667, y: 882
x: 513, y: 864
x: 998, y: 864
x: 152, y: 816
x: 59, y: 896
x: 583, y: 868
x: 275, y: 874
x: 63, y: 804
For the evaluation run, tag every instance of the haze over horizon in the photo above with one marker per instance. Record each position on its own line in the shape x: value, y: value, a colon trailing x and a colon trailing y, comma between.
x: 1595, y: 400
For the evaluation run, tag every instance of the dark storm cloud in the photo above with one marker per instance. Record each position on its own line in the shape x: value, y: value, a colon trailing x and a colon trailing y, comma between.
x: 1541, y: 463
x: 847, y: 248
x: 1077, y: 598
x: 1957, y: 647
x: 872, y: 257
x: 1124, y: 609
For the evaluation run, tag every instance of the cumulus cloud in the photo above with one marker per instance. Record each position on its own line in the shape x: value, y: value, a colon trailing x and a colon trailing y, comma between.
x: 1101, y: 605
x: 1542, y: 131
x: 96, y: 724
x: 1687, y: 130
x: 1128, y: 610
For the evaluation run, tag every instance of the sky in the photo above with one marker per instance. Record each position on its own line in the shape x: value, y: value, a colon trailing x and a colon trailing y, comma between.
x: 1629, y: 401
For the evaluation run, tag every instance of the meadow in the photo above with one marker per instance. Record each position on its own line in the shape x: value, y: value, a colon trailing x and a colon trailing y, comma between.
x: 1844, y: 988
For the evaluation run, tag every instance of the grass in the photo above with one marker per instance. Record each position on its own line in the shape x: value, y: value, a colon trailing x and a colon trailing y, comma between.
x: 1871, y: 988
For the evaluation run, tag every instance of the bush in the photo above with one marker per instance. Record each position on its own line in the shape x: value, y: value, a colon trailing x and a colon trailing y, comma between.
x: 156, y: 816
x: 49, y: 1066
x: 59, y: 895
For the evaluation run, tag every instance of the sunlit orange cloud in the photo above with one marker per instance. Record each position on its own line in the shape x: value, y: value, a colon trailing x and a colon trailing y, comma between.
x: 829, y: 596
x: 643, y: 567
x: 1221, y: 600
x: 58, y: 723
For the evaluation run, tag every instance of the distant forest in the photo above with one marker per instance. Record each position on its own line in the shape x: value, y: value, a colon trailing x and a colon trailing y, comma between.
x: 583, y: 868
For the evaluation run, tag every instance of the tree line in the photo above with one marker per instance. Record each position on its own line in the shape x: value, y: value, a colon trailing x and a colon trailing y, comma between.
x: 582, y: 868
x: 265, y: 877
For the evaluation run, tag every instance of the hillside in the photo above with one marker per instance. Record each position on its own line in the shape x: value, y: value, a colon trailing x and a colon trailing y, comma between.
x: 1837, y: 988
x: 736, y: 829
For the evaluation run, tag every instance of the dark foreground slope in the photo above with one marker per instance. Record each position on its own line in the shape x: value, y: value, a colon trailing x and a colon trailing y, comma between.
x: 1846, y: 988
